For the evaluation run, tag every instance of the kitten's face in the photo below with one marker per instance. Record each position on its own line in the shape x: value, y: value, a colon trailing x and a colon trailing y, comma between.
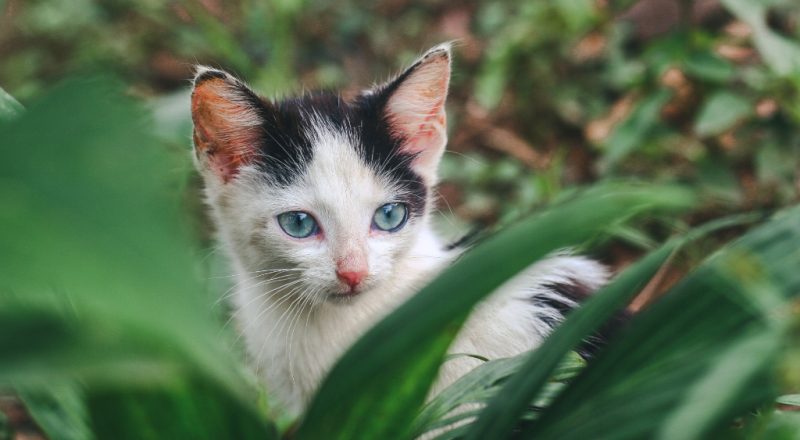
x: 324, y: 196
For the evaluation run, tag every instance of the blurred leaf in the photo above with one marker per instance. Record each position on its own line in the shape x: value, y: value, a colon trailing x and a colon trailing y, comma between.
x: 718, y: 180
x: 399, y: 357
x: 9, y: 107
x: 781, y: 425
x: 707, y: 400
x: 5, y: 429
x: 578, y: 14
x: 634, y: 236
x: 491, y: 83
x: 99, y: 272
x: 789, y: 399
x: 775, y: 163
x: 720, y: 112
x: 59, y: 410
x: 709, y: 67
x: 184, y: 409
x: 780, y: 53
x: 632, y: 132
x: 171, y: 117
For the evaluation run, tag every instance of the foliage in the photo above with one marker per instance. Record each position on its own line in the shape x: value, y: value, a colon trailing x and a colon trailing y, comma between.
x: 575, y: 90
x: 99, y: 277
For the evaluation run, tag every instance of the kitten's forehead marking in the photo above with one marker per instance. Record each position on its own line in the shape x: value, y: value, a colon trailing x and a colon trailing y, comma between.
x: 337, y: 173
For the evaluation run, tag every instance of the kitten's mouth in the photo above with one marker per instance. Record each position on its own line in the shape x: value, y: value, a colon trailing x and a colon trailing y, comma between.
x: 343, y: 297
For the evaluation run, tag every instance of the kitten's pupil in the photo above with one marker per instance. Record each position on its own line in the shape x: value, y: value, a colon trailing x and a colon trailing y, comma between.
x: 390, y: 217
x: 298, y: 224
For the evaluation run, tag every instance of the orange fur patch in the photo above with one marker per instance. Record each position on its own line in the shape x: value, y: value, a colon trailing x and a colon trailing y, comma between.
x: 226, y: 127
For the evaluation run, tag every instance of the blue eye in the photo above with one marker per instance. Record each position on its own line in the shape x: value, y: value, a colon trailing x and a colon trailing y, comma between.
x: 390, y: 217
x: 298, y: 224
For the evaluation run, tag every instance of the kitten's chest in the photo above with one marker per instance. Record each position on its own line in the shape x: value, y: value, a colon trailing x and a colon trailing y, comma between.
x: 293, y: 348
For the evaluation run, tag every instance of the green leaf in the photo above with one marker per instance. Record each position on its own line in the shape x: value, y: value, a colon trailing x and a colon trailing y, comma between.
x: 780, y: 54
x: 718, y: 180
x: 100, y: 271
x: 481, y: 384
x: 709, y: 67
x: 9, y: 107
x: 789, y: 399
x: 491, y: 82
x: 683, y: 367
x: 470, y: 388
x: 720, y: 112
x: 59, y: 410
x: 632, y: 132
x: 400, y: 356
x: 192, y: 409
x: 707, y: 399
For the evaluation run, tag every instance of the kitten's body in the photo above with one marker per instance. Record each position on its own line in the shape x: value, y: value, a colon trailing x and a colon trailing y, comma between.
x: 299, y: 303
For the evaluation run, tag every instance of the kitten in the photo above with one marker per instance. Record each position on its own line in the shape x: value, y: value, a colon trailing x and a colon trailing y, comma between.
x: 323, y: 207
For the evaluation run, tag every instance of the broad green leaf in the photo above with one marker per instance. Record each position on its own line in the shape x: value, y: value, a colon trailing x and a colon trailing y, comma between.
x: 98, y: 270
x: 632, y: 132
x: 662, y: 375
x: 503, y: 412
x: 720, y: 112
x: 400, y: 356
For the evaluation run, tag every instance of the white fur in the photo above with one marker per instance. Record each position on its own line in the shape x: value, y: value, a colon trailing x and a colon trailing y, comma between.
x: 293, y: 323
x: 294, y: 334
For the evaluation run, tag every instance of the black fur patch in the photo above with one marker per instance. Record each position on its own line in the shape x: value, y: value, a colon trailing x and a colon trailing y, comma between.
x: 286, y: 148
x: 468, y: 240
x: 209, y: 74
x: 381, y: 150
x: 577, y: 292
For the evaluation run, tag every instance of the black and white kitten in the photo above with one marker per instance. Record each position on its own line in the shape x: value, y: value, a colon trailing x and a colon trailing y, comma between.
x: 323, y: 207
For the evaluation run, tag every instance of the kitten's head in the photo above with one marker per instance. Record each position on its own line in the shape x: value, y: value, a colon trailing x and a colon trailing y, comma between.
x: 323, y: 195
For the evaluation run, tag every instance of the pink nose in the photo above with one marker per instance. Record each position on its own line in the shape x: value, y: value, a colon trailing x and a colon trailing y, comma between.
x: 351, y: 278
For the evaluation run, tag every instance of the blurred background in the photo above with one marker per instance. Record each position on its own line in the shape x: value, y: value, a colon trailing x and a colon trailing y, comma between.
x: 546, y: 96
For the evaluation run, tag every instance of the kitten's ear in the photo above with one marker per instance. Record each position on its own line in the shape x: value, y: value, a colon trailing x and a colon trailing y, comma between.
x: 415, y: 109
x: 227, y: 122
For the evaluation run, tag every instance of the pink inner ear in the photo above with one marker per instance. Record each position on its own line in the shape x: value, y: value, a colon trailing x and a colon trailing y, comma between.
x: 226, y: 127
x: 416, y: 110
x: 428, y: 132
